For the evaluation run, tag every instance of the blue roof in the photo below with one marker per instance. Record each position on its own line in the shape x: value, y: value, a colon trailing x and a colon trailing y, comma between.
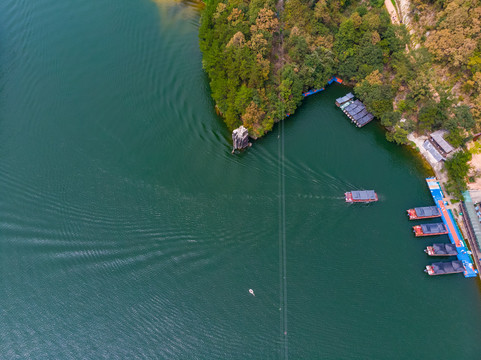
x: 433, y: 151
x: 363, y: 195
x: 448, y: 267
x: 441, y: 249
x: 433, y: 228
x: 365, y: 119
x: 427, y: 211
x: 345, y: 98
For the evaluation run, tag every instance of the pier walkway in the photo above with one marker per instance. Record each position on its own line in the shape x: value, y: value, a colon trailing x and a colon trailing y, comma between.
x: 453, y: 231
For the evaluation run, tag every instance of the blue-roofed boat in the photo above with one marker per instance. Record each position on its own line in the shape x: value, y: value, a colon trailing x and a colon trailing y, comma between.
x: 426, y: 212
x: 444, y: 268
x: 361, y: 196
x: 441, y: 250
x: 430, y: 229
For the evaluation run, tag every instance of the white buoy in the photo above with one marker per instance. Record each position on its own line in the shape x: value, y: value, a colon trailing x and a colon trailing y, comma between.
x: 252, y: 292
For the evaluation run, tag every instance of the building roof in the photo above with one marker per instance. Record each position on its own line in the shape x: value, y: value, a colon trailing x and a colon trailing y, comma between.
x: 365, y: 119
x: 240, y: 137
x: 345, y: 98
x: 433, y: 228
x: 433, y: 151
x: 437, y: 136
x: 345, y: 105
x: 241, y: 131
x: 473, y: 217
x: 364, y: 195
x: 357, y: 111
x: 360, y: 114
x: 427, y: 211
x: 352, y: 106
x: 360, y: 107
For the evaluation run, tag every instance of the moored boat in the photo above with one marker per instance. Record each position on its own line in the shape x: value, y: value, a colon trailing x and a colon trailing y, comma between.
x: 441, y: 250
x: 362, y: 196
x: 430, y: 229
x: 444, y: 268
x: 426, y: 212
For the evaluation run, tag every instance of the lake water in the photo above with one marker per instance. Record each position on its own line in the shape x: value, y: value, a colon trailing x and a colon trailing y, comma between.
x: 129, y: 231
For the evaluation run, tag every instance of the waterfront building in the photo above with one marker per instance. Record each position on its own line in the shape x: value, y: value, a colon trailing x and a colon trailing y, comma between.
x: 438, y: 141
x: 433, y: 151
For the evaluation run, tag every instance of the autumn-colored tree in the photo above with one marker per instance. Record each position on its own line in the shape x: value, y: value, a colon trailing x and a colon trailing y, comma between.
x: 237, y: 40
x: 266, y: 21
x: 253, y: 117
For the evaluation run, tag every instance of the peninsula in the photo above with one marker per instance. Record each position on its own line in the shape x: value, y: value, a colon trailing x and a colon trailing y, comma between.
x: 416, y: 65
x: 262, y: 55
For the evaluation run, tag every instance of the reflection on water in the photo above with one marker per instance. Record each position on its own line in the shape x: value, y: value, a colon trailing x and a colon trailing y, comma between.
x: 173, y: 11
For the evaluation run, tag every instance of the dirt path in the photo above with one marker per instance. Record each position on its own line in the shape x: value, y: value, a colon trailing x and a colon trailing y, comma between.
x: 392, y: 12
x: 278, y: 46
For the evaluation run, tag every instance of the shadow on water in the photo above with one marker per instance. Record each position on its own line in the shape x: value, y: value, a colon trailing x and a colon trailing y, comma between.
x: 405, y: 152
x: 195, y: 4
x: 221, y: 130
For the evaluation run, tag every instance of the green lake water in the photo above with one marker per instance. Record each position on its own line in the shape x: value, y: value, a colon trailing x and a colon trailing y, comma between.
x: 129, y: 231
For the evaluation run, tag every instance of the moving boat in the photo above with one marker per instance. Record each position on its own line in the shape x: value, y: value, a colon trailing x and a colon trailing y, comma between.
x: 362, y: 196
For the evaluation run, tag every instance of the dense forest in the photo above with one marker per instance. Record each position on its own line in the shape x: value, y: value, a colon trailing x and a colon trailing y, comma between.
x: 261, y: 55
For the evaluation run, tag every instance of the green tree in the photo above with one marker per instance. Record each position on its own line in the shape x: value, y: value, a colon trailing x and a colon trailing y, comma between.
x: 464, y: 117
x: 458, y: 169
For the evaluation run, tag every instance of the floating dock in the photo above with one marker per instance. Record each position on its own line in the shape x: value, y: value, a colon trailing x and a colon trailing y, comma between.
x: 315, y: 91
x: 426, y: 212
x: 453, y: 230
x: 430, y: 229
x: 444, y: 268
x: 334, y: 79
x: 441, y: 250
x: 354, y: 109
x: 312, y: 92
x: 363, y: 196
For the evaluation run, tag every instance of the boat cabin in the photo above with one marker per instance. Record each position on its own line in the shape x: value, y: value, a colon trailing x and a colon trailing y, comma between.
x: 361, y: 196
x: 443, y: 268
x: 441, y: 250
x: 430, y: 229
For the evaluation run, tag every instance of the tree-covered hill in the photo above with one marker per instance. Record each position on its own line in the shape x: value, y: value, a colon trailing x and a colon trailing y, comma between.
x: 261, y: 55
